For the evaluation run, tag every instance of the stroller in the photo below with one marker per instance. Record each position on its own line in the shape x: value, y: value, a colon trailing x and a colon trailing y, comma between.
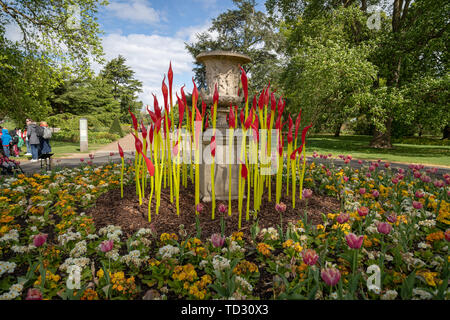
x: 8, y: 166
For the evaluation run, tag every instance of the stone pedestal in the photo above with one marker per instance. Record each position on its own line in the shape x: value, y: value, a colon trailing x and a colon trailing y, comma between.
x: 83, y: 135
x: 222, y: 68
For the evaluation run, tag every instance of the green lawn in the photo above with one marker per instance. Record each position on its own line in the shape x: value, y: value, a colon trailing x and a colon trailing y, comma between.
x: 357, y: 147
x: 61, y: 149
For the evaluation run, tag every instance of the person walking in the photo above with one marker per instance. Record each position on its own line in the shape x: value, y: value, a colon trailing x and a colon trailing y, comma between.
x: 26, y: 140
x: 45, y: 137
x: 6, y: 140
x: 33, y: 133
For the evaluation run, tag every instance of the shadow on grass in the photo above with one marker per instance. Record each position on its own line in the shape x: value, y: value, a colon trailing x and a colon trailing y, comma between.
x: 360, y: 144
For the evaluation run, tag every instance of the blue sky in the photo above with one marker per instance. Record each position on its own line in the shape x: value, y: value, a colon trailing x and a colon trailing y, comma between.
x: 151, y: 33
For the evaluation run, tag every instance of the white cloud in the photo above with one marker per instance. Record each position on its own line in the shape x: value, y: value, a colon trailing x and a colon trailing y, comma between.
x: 137, y: 11
x: 149, y: 57
x: 189, y: 34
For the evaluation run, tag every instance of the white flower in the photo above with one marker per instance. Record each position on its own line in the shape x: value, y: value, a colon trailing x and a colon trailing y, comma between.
x: 423, y: 245
x: 12, y: 235
x: 133, y: 257
x: 111, y: 232
x: 143, y: 232
x: 6, y: 266
x: 389, y: 295
x: 79, y: 250
x: 220, y: 263
x: 113, y: 255
x: 80, y: 262
x: 334, y: 295
x: 423, y: 295
x: 14, y: 292
x: 168, y: 251
x: 374, y: 289
x: 241, y: 282
x: 68, y: 236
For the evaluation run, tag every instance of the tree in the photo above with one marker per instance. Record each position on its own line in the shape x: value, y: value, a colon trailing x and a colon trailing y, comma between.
x: 414, y: 45
x: 62, y: 31
x: 328, y: 68
x: 26, y: 83
x: 124, y: 85
x: 246, y: 31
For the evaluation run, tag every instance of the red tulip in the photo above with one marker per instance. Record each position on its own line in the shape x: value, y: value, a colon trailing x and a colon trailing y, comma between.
x: 261, y: 100
x: 417, y: 205
x: 331, y: 276
x: 39, y: 239
x: 244, y: 171
x: 273, y: 102
x: 165, y: 95
x: 150, y: 167
x: 244, y: 83
x: 213, y: 146
x: 137, y: 143
x: 231, y: 118
x: 342, y: 218
x: 170, y: 78
x: 354, y: 241
x: 305, y: 130
x: 310, y: 257
x: 289, y: 135
x: 363, y: 211
x: 194, y: 93
x: 120, y: 150
x: 181, y: 107
x: 133, y: 117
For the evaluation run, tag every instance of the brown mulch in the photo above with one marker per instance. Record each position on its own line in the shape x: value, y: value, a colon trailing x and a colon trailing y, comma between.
x: 127, y: 213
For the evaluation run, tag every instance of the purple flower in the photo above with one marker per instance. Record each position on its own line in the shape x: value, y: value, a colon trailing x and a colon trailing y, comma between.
x: 417, y: 205
x: 342, y: 218
x: 392, y: 218
x: 354, y: 241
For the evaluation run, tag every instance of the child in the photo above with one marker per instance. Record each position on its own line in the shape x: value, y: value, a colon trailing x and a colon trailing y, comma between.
x: 7, y: 166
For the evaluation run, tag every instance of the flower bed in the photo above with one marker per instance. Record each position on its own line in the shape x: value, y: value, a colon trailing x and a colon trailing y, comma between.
x: 48, y: 241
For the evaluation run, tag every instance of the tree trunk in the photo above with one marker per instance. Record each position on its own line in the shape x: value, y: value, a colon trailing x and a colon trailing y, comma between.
x: 382, y: 139
x: 446, y: 132
x: 337, y: 130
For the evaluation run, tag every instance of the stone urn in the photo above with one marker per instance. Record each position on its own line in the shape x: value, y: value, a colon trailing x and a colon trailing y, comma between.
x: 222, y: 68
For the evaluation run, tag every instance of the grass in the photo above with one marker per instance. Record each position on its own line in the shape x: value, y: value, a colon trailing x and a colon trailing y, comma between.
x: 61, y: 149
x: 358, y: 148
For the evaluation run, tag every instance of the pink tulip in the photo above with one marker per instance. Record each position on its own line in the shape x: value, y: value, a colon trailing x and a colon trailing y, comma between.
x: 111, y: 154
x: 394, y: 180
x: 199, y: 207
x: 439, y: 183
x: 310, y: 257
x: 217, y: 240
x: 34, y: 294
x: 345, y: 178
x: 363, y: 211
x: 375, y: 193
x: 362, y: 191
x: 81, y: 159
x: 447, y: 235
x: 371, y: 168
x: 419, y: 194
x: 222, y: 208
x: 384, y: 228
x: 354, y: 241
x: 368, y: 175
x: 386, y: 165
x: 307, y: 193
x: 417, y: 174
x: 280, y: 207
x: 331, y: 276
x: 401, y: 171
x: 39, y: 239
x: 392, y: 218
x: 360, y: 161
x: 342, y: 218
x: 417, y: 205
x: 106, y: 246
